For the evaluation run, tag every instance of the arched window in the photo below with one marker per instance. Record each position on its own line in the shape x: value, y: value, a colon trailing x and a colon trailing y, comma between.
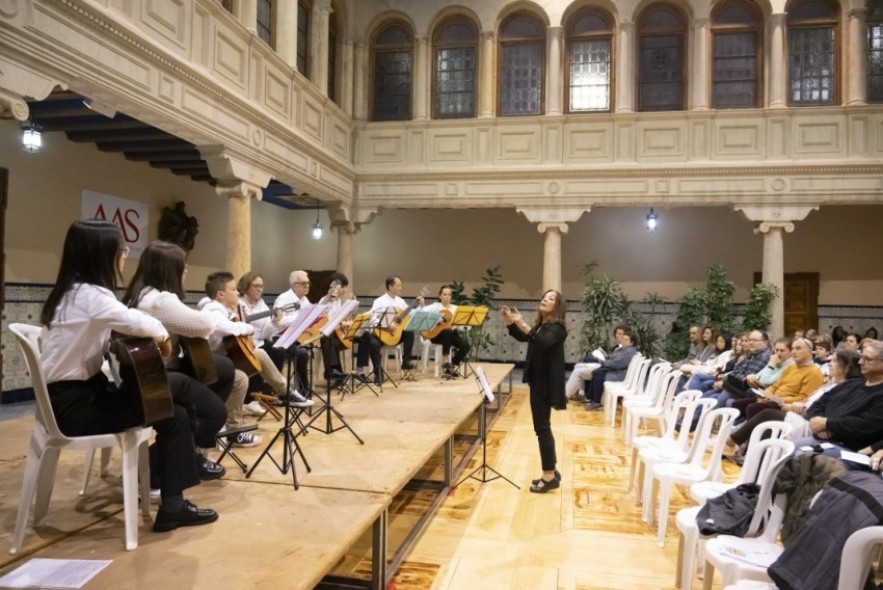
x: 393, y: 58
x: 455, y: 48
x: 736, y: 31
x: 661, y: 66
x: 812, y: 52
x: 522, y: 51
x: 590, y: 61
x: 266, y: 28
x: 304, y: 14
x: 875, y: 50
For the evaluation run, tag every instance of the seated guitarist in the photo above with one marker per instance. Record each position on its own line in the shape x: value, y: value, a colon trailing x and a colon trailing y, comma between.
x: 369, y: 344
x: 332, y: 345
x: 297, y: 294
x: 251, y: 303
x: 78, y: 316
x: 448, y: 338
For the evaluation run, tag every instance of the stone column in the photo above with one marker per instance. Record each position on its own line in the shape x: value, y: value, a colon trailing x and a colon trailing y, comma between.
x: 345, y: 232
x: 625, y: 69
x: 486, y: 88
x: 421, y: 74
x: 286, y: 32
x: 238, y: 250
x: 248, y: 15
x: 774, y: 221
x: 774, y: 268
x: 778, y: 63
x: 857, y: 66
x: 553, y: 67
x: 360, y: 102
x: 322, y: 14
x: 346, y: 78
x: 700, y: 80
x: 552, y: 254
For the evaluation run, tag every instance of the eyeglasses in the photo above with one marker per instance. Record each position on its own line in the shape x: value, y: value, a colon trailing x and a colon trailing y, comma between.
x: 755, y: 339
x: 307, y: 283
x: 258, y: 287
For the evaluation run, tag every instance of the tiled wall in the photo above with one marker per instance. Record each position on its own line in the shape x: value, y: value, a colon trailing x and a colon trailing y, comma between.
x: 23, y: 304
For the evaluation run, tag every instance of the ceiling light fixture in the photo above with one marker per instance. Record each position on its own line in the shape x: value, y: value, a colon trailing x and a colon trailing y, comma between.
x: 317, y: 227
x: 652, y: 221
x: 32, y: 137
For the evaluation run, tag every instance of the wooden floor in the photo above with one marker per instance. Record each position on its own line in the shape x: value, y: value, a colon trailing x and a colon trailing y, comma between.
x: 586, y: 535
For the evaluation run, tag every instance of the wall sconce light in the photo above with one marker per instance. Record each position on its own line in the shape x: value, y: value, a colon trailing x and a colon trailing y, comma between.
x: 651, y: 221
x: 32, y: 137
x: 317, y: 227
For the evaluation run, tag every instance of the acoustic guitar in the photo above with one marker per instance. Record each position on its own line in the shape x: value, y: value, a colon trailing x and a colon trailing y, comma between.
x: 199, y: 359
x: 314, y: 332
x: 443, y: 324
x: 393, y: 334
x: 267, y: 313
x: 140, y: 366
x: 240, y: 349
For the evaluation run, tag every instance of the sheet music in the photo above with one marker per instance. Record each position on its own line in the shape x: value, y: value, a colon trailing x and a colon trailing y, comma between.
x: 345, y: 309
x: 304, y: 320
x: 486, y: 390
x: 53, y: 573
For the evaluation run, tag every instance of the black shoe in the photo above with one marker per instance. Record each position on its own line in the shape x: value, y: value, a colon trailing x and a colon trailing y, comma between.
x: 408, y: 365
x: 361, y: 378
x: 209, y: 470
x: 337, y: 374
x: 537, y: 480
x: 189, y: 515
x: 544, y: 486
x: 378, y: 380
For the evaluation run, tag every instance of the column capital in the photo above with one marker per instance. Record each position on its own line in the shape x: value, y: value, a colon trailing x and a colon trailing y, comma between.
x: 766, y: 227
x: 778, y: 18
x: 700, y: 23
x: 231, y: 170
x: 627, y: 26
x: 422, y: 40
x: 557, y: 29
x: 487, y: 35
x: 15, y: 105
x: 776, y: 213
x: 19, y: 82
x: 857, y: 13
x: 561, y: 228
x: 240, y: 190
x: 349, y: 219
x: 552, y: 216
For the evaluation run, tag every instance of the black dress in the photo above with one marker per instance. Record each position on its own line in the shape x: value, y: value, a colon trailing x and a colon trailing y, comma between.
x: 544, y: 374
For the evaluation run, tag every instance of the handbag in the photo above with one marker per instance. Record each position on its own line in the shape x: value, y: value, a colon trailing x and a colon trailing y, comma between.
x: 730, y: 513
x: 736, y: 386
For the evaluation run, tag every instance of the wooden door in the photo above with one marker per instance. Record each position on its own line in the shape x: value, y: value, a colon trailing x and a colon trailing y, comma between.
x: 801, y: 292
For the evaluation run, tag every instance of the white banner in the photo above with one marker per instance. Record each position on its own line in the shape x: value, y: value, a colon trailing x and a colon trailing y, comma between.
x: 130, y: 216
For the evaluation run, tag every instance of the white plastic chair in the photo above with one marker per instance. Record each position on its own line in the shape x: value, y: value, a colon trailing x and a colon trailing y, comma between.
x: 47, y: 441
x: 628, y: 387
x: 395, y: 352
x: 855, y: 561
x: 716, y: 426
x: 426, y: 346
x: 655, y: 407
x: 762, y: 456
x: 630, y: 382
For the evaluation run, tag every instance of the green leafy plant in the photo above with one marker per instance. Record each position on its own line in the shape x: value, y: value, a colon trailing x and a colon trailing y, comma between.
x: 482, y: 295
x: 719, y: 290
x: 691, y: 311
x: 757, y: 309
x: 642, y: 323
x: 603, y: 303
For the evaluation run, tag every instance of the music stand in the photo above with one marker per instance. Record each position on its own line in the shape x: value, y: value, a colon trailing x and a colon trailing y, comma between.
x: 288, y: 342
x: 484, y: 388
x: 420, y: 321
x: 327, y: 408
x: 361, y: 323
x: 472, y: 317
x: 383, y: 320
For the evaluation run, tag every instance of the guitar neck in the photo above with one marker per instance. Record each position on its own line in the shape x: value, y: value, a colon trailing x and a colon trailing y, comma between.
x: 258, y: 316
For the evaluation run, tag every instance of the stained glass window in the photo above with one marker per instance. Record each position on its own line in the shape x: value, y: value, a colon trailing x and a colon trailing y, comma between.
x: 393, y: 50
x: 661, y: 76
x: 812, y: 53
x: 590, y: 61
x: 455, y: 47
x: 522, y: 43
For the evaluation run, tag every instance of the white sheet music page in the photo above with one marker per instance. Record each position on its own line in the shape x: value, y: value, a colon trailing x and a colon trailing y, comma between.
x: 53, y: 573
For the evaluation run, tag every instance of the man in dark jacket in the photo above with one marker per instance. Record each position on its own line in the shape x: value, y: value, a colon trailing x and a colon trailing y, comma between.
x: 613, y: 368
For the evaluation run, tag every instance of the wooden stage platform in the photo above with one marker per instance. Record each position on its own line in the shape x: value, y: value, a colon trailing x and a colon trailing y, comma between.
x: 347, y: 519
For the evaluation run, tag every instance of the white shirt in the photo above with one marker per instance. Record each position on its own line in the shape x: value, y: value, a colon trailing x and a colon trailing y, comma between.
x: 437, y: 308
x: 224, y: 325
x: 289, y: 315
x: 264, y: 328
x: 176, y: 317
x: 73, y: 347
x: 386, y: 301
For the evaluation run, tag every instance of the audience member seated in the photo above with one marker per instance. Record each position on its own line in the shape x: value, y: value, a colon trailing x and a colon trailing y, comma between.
x: 732, y: 385
x: 822, y: 348
x: 582, y: 371
x: 852, y: 340
x: 613, y: 368
x: 696, y: 348
x: 850, y: 416
x: 724, y: 363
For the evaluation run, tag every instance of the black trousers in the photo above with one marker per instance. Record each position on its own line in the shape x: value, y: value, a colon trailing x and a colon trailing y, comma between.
x: 369, y: 344
x: 279, y: 356
x: 541, y: 412
x: 95, y: 407
x: 331, y: 347
x: 595, y: 388
x: 456, y: 339
x: 205, y: 404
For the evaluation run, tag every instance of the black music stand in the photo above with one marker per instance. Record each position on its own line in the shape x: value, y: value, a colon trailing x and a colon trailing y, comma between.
x: 361, y: 323
x: 487, y: 393
x: 383, y: 320
x: 472, y: 317
x: 420, y: 322
x: 327, y: 408
x: 290, y: 446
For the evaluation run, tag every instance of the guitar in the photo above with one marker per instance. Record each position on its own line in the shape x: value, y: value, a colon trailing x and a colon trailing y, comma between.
x: 240, y: 349
x: 199, y: 356
x: 143, y: 375
x: 393, y: 334
x: 442, y: 325
x: 314, y: 332
x: 267, y: 313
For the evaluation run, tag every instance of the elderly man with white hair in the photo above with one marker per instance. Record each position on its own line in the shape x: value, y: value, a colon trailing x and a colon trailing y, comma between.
x: 300, y: 287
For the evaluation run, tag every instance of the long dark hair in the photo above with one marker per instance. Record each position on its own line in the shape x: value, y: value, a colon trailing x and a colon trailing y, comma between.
x: 848, y: 359
x: 161, y: 267
x: 556, y: 316
x: 91, y: 249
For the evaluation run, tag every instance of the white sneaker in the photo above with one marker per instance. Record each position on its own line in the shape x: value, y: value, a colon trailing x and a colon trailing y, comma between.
x: 155, y: 497
x: 296, y: 399
x: 254, y: 408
